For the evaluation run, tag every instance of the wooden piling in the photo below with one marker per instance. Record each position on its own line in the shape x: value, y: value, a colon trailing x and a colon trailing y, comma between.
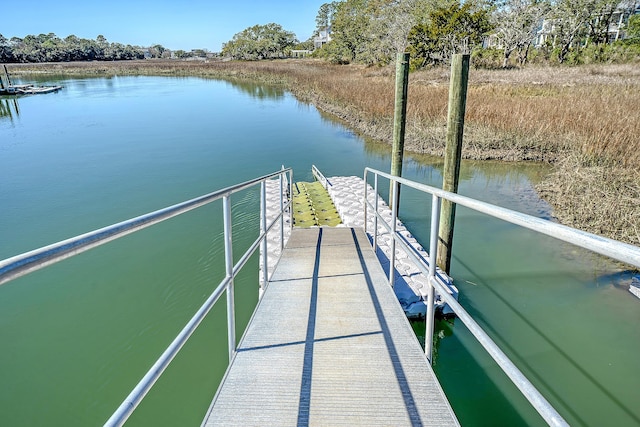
x: 455, y: 130
x: 6, y: 73
x: 399, y: 120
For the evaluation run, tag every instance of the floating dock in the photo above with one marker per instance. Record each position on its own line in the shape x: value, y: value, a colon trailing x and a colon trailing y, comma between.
x: 345, y: 208
x: 7, y: 88
x: 28, y: 89
x: 307, y: 359
x: 411, y: 286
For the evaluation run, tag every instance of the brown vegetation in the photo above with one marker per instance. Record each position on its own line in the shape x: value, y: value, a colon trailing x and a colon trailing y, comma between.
x: 586, y: 120
x: 601, y: 199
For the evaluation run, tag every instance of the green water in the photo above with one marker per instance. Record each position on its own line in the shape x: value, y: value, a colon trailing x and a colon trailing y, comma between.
x: 77, y: 336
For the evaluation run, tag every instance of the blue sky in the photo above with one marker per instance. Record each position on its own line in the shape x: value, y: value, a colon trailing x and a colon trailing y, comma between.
x: 192, y: 24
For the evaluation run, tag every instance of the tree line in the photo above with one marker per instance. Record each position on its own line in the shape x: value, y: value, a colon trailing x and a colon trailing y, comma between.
x: 496, y: 32
x: 51, y: 48
x: 373, y: 31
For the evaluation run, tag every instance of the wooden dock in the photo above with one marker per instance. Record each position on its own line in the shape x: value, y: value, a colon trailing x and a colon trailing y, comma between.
x: 329, y: 344
x: 8, y: 88
x: 28, y: 89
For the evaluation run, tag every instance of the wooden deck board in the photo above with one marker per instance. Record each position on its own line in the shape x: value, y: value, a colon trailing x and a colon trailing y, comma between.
x: 329, y: 345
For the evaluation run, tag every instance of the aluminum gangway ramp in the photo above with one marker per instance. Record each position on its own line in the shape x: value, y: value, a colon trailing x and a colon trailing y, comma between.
x: 329, y: 345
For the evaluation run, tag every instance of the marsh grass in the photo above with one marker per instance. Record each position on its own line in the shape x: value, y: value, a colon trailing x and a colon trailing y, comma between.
x: 601, y: 199
x: 585, y: 120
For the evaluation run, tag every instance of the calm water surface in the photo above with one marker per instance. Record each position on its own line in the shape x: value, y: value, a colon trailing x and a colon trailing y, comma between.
x: 77, y: 336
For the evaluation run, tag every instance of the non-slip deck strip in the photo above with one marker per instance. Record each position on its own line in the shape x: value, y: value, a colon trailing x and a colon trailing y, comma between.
x: 329, y: 345
x: 312, y: 206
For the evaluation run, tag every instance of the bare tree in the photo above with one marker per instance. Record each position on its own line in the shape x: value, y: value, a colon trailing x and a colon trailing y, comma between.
x: 399, y: 18
x: 516, y: 22
x: 570, y: 19
x: 393, y: 22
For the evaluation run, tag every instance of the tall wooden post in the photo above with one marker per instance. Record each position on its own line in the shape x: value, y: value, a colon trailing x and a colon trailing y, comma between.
x: 399, y: 120
x: 2, y: 81
x: 6, y: 73
x: 455, y: 130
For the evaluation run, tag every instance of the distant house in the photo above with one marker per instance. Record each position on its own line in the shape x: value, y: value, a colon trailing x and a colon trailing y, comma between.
x: 323, y: 37
x: 545, y: 33
x: 615, y: 32
x: 619, y: 20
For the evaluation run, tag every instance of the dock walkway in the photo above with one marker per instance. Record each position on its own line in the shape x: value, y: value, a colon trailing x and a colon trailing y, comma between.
x: 307, y: 358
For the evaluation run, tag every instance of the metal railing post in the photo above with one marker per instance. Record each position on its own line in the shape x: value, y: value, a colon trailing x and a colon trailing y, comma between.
x: 281, y: 178
x: 263, y: 230
x: 366, y: 201
x: 291, y: 200
x: 433, y: 248
x: 228, y: 257
x: 375, y: 216
x: 394, y: 216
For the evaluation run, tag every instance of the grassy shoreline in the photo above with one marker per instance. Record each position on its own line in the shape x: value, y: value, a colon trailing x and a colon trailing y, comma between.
x: 583, y: 120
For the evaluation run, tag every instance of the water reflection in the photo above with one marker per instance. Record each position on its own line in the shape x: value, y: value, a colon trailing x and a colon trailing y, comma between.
x: 428, y: 169
x: 493, y: 172
x: 257, y: 90
x: 9, y: 108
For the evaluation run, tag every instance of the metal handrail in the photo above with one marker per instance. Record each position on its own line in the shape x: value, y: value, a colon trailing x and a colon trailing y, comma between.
x: 320, y: 177
x: 623, y: 252
x: 20, y: 265
x: 602, y: 245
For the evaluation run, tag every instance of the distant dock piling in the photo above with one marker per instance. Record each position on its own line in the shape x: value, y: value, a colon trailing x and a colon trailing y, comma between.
x: 5, y: 77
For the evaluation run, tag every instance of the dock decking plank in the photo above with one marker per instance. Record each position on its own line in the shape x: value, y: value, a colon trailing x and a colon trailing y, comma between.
x: 329, y: 344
